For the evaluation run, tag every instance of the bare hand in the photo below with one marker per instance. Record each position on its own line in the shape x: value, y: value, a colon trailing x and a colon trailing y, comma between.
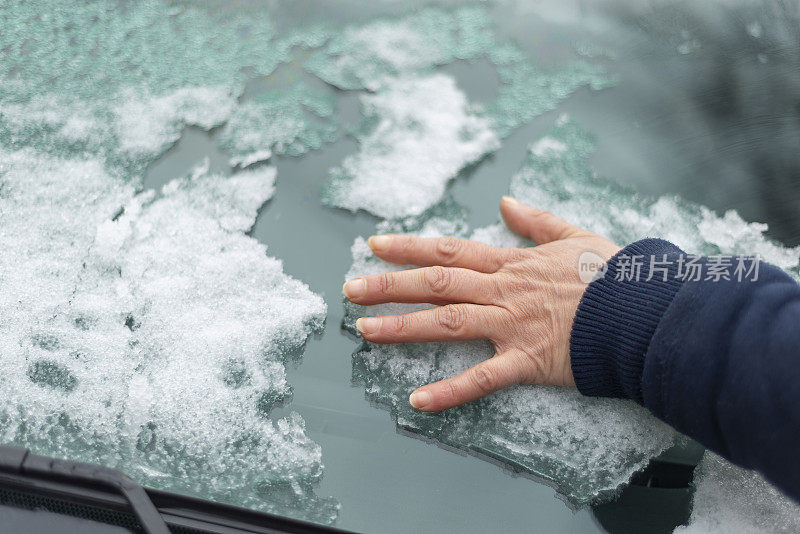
x: 521, y: 299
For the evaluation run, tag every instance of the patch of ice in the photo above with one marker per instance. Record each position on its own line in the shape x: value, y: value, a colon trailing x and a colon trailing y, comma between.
x: 383, y: 55
x: 154, y: 338
x: 290, y: 121
x: 254, y: 157
x: 160, y: 68
x: 563, y: 181
x: 423, y: 133
x: 547, y: 144
x: 146, y: 125
x: 729, y: 499
x: 370, y: 56
x: 146, y: 331
x: 236, y: 200
x: 527, y: 90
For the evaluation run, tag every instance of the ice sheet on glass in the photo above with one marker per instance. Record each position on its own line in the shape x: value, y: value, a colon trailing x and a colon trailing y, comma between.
x: 145, y: 330
x: 557, y: 176
x: 290, y: 121
x: 121, y: 82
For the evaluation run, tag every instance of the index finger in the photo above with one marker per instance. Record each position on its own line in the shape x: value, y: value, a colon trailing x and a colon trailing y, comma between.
x: 445, y: 251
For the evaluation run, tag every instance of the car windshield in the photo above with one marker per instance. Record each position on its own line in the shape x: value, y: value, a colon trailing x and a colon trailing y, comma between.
x: 185, y: 186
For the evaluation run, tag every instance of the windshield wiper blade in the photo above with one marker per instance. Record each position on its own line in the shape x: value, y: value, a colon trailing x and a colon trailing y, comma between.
x: 93, y: 489
x: 19, y: 460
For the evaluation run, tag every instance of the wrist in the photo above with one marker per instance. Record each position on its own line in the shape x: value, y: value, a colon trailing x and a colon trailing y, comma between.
x: 617, y: 316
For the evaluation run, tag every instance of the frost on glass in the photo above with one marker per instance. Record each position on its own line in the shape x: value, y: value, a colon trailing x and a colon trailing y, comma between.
x: 121, y: 81
x: 422, y: 133
x: 728, y: 498
x: 385, y: 55
x: 586, y: 447
x: 557, y: 176
x: 147, y: 332
x: 291, y: 122
x: 371, y: 55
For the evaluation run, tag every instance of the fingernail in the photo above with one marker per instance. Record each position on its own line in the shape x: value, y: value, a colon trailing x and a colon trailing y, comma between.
x: 368, y: 325
x: 510, y: 200
x: 380, y: 242
x: 354, y: 288
x: 420, y: 398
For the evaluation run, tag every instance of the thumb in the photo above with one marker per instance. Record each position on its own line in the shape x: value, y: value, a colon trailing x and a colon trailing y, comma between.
x: 539, y: 226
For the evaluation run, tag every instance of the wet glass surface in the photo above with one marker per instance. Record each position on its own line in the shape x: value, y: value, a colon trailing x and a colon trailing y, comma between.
x: 702, y: 108
x: 717, y: 124
x: 705, y: 105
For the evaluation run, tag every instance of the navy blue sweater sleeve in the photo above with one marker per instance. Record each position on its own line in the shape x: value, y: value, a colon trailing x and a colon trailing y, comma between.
x: 717, y: 359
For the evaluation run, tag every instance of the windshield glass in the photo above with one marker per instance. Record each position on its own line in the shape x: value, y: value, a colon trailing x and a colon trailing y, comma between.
x: 184, y: 187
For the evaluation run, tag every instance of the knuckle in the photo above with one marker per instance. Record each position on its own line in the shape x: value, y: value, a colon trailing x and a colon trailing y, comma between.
x: 386, y: 282
x: 484, y: 379
x: 447, y: 249
x: 451, y: 390
x: 522, y: 275
x: 402, y: 324
x: 439, y: 279
x: 452, y: 318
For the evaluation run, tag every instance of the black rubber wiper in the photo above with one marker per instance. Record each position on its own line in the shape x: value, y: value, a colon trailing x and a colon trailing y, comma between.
x: 21, y: 461
x: 109, y: 496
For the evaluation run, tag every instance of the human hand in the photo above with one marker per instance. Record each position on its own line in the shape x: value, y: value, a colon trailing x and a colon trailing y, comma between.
x: 521, y: 299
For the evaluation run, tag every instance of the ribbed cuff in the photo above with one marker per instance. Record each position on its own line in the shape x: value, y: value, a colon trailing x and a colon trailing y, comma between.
x: 617, y: 316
